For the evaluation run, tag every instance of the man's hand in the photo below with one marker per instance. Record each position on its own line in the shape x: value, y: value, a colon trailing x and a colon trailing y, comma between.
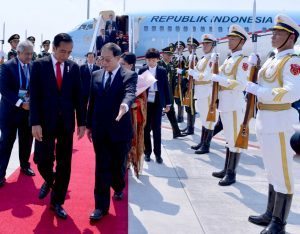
x: 252, y: 88
x: 167, y: 109
x: 122, y: 111
x: 89, y: 134
x: 179, y: 71
x: 253, y: 59
x: 214, y: 57
x: 80, y: 131
x: 25, y: 105
x: 37, y: 132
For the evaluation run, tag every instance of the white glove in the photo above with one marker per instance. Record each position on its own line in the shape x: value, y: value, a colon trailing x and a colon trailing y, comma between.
x: 194, y: 73
x: 220, y: 79
x: 252, y: 88
x: 192, y: 57
x: 214, y: 57
x: 179, y: 71
x: 252, y: 60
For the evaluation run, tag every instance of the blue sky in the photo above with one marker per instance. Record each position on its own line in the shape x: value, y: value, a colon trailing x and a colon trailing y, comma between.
x: 54, y: 16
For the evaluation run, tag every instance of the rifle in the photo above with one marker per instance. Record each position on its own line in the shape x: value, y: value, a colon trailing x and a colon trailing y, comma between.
x: 243, y: 137
x: 189, y: 95
x: 211, y: 115
x: 177, y: 91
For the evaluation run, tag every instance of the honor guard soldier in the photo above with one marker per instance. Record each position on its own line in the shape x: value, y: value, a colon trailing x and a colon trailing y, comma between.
x: 13, y: 41
x: 44, y: 52
x: 188, y: 86
x: 32, y: 39
x: 278, y: 86
x: 166, y: 62
x: 202, y: 74
x: 179, y: 62
x: 232, y: 81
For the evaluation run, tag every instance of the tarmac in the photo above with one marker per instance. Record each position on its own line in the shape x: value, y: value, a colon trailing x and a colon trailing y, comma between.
x: 181, y: 197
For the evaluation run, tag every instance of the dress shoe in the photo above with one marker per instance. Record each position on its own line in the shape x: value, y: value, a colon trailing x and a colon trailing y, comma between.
x: 118, y: 196
x: 28, y: 171
x: 2, y: 181
x: 45, y: 189
x: 179, y: 134
x: 159, y: 159
x: 59, y: 211
x: 98, y: 214
x: 147, y: 158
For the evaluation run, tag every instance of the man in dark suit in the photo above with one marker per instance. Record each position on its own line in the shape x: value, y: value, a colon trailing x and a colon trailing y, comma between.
x: 86, y: 71
x: 158, y: 98
x: 111, y: 22
x: 14, y: 109
x: 109, y: 126
x: 56, y: 95
x: 111, y: 34
x: 101, y: 40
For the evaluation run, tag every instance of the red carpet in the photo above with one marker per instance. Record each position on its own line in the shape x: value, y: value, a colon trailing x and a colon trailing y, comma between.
x: 22, y: 212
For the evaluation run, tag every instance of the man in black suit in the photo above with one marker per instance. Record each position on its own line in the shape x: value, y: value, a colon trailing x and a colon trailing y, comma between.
x: 56, y: 95
x: 111, y: 34
x: 111, y: 22
x: 86, y: 71
x: 14, y: 109
x: 158, y: 98
x: 109, y: 126
x: 101, y: 40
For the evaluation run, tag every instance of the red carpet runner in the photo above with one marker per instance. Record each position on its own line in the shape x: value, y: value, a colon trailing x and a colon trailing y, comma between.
x: 22, y: 212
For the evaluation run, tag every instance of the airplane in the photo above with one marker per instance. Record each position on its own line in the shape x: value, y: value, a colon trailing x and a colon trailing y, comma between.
x: 158, y: 30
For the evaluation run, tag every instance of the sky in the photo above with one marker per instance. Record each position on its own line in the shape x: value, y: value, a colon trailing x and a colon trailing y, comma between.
x: 48, y: 18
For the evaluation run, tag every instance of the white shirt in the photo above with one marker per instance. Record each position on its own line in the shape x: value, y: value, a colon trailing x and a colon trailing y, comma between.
x: 153, y: 87
x: 62, y: 65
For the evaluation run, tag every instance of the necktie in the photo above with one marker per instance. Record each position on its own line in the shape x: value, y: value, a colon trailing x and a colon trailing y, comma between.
x: 91, y: 68
x: 24, y: 77
x: 108, y: 81
x: 58, y: 75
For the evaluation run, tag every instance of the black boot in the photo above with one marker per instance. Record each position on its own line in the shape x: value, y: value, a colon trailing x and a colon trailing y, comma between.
x: 280, y: 213
x: 229, y: 177
x: 265, y: 218
x: 190, y: 125
x: 203, y: 132
x: 180, y: 114
x: 206, y: 142
x: 221, y: 174
x: 172, y: 118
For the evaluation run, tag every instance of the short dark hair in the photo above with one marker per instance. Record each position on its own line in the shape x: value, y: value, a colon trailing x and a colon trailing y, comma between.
x: 88, y: 53
x: 62, y: 37
x: 114, y: 48
x: 152, y: 53
x: 129, y: 58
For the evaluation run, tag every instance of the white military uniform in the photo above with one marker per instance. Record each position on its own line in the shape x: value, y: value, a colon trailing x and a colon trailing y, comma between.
x: 279, y: 79
x: 231, y: 96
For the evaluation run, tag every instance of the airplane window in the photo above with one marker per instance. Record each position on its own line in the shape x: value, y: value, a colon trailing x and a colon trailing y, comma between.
x: 194, y: 28
x: 145, y: 28
x: 264, y: 29
x: 90, y: 26
x: 153, y: 28
x: 210, y: 28
x: 169, y: 28
x: 185, y: 28
x: 247, y: 29
x: 220, y: 29
x: 177, y: 28
x: 161, y: 28
x: 83, y: 26
x: 202, y: 29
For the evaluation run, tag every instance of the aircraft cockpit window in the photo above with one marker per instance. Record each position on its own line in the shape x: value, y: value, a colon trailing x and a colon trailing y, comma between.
x: 153, y: 28
x: 161, y: 28
x: 177, y: 28
x: 264, y: 29
x: 82, y: 27
x: 145, y: 28
x: 220, y: 29
x: 194, y: 28
x: 247, y: 29
x: 90, y: 26
x: 169, y: 28
x: 202, y: 29
x: 210, y: 29
x: 185, y: 28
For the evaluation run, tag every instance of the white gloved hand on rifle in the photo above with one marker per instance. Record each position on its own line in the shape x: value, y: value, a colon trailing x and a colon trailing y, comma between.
x: 192, y: 57
x: 214, y: 57
x: 194, y: 73
x: 220, y: 79
x: 179, y: 71
x: 252, y: 88
x: 252, y: 60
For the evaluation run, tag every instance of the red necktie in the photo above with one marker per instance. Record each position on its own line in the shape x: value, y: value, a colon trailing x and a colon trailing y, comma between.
x: 58, y: 75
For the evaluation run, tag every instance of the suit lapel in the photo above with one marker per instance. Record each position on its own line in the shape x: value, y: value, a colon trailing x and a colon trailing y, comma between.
x: 52, y: 72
